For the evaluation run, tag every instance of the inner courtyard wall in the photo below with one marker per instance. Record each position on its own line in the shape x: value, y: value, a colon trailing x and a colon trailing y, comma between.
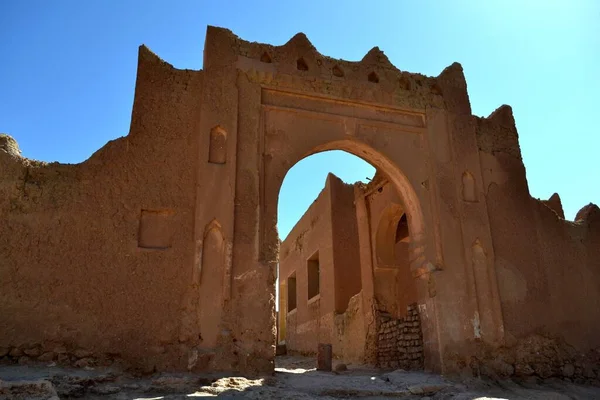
x: 548, y: 268
x: 327, y: 228
x: 307, y: 325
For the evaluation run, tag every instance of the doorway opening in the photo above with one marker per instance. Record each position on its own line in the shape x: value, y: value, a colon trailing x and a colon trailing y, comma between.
x: 319, y: 266
x: 344, y: 275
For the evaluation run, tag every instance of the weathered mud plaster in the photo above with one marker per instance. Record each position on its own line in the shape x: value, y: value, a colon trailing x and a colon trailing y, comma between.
x: 119, y: 257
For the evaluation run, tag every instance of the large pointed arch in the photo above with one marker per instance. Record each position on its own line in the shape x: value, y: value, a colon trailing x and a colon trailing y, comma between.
x: 411, y: 204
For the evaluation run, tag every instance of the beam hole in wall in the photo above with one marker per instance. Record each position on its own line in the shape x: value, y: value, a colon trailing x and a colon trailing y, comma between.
x: 337, y: 71
x: 265, y: 58
x: 373, y: 77
x: 301, y: 65
x: 404, y: 83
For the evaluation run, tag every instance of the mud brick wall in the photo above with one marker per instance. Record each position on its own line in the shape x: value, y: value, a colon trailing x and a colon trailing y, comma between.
x: 400, y: 342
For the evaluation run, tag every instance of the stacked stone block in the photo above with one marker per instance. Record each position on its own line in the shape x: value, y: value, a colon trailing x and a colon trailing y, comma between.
x: 400, y: 342
x: 58, y: 354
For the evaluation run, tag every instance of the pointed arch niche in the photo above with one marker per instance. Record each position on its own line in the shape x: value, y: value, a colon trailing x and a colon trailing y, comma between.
x: 211, y: 276
x: 217, y: 153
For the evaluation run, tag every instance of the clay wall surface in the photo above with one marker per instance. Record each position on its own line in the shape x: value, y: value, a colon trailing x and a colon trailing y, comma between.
x: 94, y: 257
x: 328, y: 228
x: 308, y: 324
x: 548, y: 268
x: 345, y: 244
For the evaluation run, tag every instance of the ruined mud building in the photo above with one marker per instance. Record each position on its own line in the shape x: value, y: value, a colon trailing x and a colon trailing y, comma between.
x: 352, y: 244
x: 160, y: 250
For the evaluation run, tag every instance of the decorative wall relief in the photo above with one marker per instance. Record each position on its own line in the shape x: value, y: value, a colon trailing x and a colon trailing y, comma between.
x: 156, y: 229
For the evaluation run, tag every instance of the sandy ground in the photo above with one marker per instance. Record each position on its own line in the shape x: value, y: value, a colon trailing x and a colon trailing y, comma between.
x: 294, y: 378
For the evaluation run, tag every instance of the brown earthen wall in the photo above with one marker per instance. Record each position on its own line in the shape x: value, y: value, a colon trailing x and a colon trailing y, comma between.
x: 345, y: 244
x: 95, y: 256
x: 329, y: 227
x: 548, y: 269
x: 312, y: 233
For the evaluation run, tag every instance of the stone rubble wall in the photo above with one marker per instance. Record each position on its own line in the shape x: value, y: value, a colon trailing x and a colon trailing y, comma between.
x: 538, y: 358
x: 60, y: 355
x: 400, y: 341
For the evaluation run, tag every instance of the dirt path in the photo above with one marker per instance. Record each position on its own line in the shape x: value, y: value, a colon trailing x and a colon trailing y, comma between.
x: 294, y: 378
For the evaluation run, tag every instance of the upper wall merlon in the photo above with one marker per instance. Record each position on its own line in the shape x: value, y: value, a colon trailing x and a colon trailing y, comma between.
x: 503, y: 116
x: 497, y: 133
x: 555, y: 204
x: 147, y: 56
x: 9, y: 145
x: 588, y: 213
x: 452, y: 84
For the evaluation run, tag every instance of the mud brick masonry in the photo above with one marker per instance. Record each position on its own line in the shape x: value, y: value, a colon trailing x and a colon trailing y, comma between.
x: 160, y: 251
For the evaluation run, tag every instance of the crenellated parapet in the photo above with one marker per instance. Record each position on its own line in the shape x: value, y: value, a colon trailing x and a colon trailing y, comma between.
x: 297, y: 64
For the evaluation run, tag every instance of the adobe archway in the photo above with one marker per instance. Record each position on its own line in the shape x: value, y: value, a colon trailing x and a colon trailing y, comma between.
x: 409, y: 126
x: 293, y: 135
x: 365, y: 342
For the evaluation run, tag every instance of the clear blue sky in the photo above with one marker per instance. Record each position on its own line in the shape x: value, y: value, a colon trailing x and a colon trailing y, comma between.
x: 67, y: 71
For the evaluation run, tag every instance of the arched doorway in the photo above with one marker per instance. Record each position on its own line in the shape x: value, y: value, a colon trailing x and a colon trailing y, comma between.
x: 319, y: 261
x: 276, y: 169
x: 304, y: 320
x: 275, y: 129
